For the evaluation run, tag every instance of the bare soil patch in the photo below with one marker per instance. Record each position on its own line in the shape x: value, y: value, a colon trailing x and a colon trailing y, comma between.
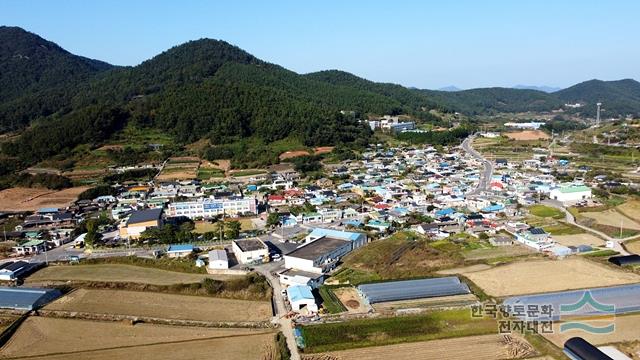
x: 579, y: 239
x: 323, y: 150
x: 539, y: 276
x: 485, y: 347
x: 350, y: 298
x: 292, y: 154
x: 165, y: 306
x: 31, y: 199
x: 633, y: 246
x: 527, y: 135
x: 464, y: 270
x: 50, y: 338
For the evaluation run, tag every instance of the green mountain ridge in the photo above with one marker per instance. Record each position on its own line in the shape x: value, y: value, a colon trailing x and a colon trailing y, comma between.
x: 55, y: 100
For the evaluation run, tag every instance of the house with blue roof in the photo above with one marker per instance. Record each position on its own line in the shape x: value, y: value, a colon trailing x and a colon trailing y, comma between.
x: 179, y: 250
x: 300, y: 297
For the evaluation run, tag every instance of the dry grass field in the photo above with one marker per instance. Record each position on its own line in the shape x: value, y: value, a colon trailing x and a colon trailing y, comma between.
x: 579, y: 239
x: 31, y: 199
x: 116, y: 273
x: 626, y: 329
x: 630, y: 208
x: 180, y: 168
x: 465, y: 269
x: 614, y: 218
x: 50, y: 338
x: 166, y: 306
x: 485, y: 347
x: 633, y: 246
x: 498, y: 252
x: 527, y: 135
x: 539, y: 276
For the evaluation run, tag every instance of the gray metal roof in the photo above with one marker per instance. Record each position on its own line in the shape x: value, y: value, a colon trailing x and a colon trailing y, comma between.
x: 625, y: 299
x: 218, y: 255
x: 20, y: 298
x: 318, y: 248
x: 413, y: 289
x: 144, y: 216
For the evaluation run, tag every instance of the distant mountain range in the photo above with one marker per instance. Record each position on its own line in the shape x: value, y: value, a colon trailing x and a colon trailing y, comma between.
x: 211, y: 89
x: 547, y: 89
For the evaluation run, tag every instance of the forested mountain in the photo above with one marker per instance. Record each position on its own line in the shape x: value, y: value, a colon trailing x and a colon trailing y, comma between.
x: 210, y: 89
x: 37, y: 76
x: 619, y: 97
x: 494, y: 100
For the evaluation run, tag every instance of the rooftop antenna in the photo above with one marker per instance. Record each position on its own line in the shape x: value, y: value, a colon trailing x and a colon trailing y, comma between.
x: 598, y: 114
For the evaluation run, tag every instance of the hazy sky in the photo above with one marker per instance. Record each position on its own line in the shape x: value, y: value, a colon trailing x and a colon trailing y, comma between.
x: 426, y: 44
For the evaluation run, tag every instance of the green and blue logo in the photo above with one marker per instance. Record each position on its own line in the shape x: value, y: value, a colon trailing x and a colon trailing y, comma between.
x: 607, y: 311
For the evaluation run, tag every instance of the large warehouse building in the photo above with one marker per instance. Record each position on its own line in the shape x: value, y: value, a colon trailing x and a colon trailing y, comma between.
x: 323, y: 249
x: 412, y: 289
x: 569, y: 194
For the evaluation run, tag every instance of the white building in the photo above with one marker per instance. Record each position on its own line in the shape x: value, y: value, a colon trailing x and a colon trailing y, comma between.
x: 250, y: 251
x: 209, y: 208
x: 300, y: 297
x: 218, y: 259
x: 570, y: 193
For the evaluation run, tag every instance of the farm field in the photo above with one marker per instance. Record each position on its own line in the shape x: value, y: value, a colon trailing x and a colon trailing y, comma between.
x: 51, y: 338
x: 31, y: 199
x: 498, y: 252
x: 180, y: 168
x: 633, y: 246
x: 612, y: 217
x: 626, y: 329
x: 484, y: 347
x: 579, y: 239
x: 630, y: 209
x: 116, y: 273
x: 527, y: 135
x: 539, y: 276
x: 465, y: 269
x: 166, y: 306
x: 394, y: 330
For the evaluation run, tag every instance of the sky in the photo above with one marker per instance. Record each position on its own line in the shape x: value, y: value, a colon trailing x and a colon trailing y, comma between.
x: 424, y: 44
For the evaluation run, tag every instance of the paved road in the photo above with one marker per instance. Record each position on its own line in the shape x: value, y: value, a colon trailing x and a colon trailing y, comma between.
x: 286, y: 325
x: 617, y: 243
x: 487, y: 172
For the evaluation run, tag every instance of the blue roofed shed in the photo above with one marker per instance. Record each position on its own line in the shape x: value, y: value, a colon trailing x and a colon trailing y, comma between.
x: 179, y: 250
x: 300, y: 296
x: 19, y: 298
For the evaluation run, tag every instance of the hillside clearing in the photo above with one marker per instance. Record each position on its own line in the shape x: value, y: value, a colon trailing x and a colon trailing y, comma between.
x: 32, y: 199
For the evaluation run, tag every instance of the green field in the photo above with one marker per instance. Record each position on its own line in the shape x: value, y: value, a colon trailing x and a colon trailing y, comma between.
x: 330, y: 301
x: 546, y: 211
x: 208, y: 173
x: 248, y: 173
x: 393, y: 330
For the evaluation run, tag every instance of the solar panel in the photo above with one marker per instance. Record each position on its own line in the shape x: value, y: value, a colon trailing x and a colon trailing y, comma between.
x: 413, y: 289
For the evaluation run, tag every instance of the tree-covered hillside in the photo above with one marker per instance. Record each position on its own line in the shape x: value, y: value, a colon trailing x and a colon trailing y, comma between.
x: 37, y: 77
x: 621, y: 97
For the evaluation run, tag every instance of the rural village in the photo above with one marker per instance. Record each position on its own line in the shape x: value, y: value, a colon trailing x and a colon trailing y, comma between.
x: 408, y: 241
